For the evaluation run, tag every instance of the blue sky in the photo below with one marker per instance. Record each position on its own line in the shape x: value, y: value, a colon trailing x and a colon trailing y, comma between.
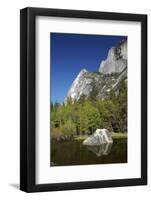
x: 70, y: 53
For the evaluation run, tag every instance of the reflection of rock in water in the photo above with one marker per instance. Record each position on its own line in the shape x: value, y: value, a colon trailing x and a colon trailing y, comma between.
x: 103, y: 149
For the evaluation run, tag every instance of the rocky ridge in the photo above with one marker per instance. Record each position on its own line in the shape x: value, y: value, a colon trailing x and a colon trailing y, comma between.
x: 99, y: 84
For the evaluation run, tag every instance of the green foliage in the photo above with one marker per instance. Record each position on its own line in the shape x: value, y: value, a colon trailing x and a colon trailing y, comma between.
x: 83, y: 117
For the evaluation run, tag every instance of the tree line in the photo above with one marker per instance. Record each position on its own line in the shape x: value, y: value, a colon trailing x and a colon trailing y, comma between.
x: 87, y: 114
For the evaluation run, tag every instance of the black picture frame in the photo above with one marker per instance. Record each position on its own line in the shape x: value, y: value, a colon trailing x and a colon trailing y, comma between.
x: 28, y: 99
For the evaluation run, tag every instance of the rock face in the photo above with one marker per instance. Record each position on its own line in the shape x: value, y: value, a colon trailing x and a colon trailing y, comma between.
x: 116, y: 60
x: 99, y: 84
x: 80, y: 86
x: 99, y: 137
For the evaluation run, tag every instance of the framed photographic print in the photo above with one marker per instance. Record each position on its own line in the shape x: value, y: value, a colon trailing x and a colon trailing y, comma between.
x: 83, y: 99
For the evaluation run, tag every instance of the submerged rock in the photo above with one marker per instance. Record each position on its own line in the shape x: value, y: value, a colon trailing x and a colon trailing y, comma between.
x: 100, y: 136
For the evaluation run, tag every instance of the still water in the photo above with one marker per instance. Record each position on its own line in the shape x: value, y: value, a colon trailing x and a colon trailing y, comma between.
x: 74, y: 153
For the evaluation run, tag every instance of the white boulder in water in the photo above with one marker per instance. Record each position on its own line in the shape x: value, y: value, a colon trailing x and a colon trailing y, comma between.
x: 100, y: 136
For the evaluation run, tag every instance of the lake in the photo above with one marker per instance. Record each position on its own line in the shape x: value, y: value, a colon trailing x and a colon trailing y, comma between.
x: 75, y: 153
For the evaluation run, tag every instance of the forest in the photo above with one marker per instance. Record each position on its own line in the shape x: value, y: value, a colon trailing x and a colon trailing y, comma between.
x: 84, y: 116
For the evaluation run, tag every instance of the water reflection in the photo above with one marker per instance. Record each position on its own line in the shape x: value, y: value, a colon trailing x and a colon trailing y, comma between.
x: 75, y: 153
x: 103, y: 149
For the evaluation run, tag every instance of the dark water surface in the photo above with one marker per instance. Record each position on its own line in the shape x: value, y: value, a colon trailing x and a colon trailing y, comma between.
x: 74, y: 153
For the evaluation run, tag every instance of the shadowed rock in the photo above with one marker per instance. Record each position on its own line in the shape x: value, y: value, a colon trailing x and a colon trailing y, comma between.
x: 100, y: 136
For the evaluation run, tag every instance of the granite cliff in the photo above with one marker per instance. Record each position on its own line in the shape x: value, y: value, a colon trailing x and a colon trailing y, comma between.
x: 116, y: 60
x: 99, y: 84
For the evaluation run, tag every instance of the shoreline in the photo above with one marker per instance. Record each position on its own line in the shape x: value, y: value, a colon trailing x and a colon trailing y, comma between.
x: 83, y: 137
x: 114, y: 136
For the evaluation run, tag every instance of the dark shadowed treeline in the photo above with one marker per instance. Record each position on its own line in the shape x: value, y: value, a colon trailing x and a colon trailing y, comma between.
x: 85, y: 115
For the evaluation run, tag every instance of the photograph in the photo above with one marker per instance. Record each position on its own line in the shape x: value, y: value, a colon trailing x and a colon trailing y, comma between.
x: 88, y: 99
x: 83, y: 99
